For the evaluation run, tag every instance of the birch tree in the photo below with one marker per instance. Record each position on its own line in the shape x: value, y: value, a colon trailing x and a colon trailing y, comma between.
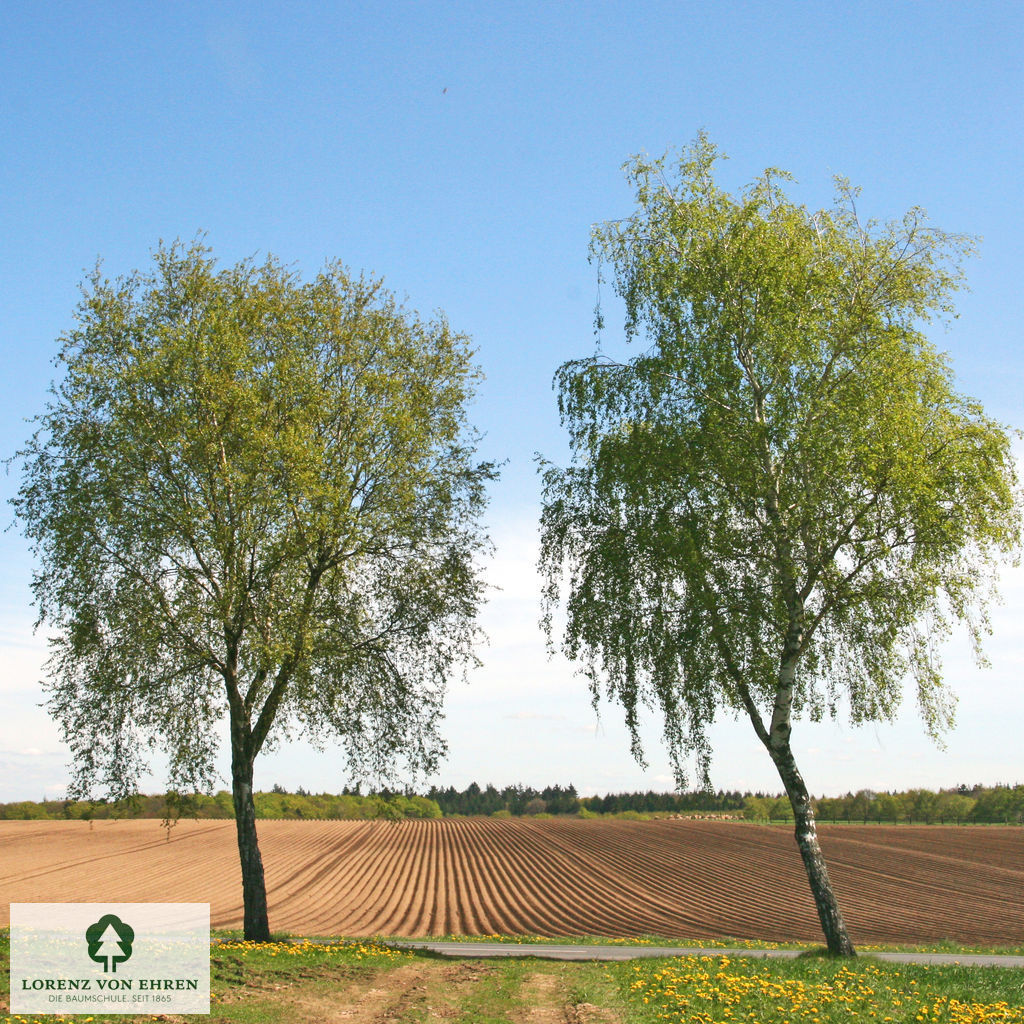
x: 782, y: 504
x: 253, y: 499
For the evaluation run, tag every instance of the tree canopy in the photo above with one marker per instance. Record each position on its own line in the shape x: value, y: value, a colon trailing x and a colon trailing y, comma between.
x: 252, y: 497
x: 782, y: 503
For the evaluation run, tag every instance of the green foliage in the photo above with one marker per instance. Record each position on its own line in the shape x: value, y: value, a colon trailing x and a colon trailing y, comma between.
x: 757, y: 808
x: 780, y: 810
x: 252, y: 496
x: 275, y: 805
x: 979, y: 804
x: 783, y: 503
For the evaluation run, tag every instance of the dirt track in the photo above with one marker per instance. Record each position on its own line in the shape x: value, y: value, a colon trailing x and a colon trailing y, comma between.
x: 687, y: 879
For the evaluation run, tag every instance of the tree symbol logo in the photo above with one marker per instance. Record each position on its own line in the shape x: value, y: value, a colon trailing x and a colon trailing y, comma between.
x: 110, y: 942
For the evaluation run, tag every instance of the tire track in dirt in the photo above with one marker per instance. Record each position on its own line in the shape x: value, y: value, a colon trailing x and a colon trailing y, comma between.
x: 546, y: 999
x: 367, y: 1001
x: 423, y: 990
x: 542, y: 995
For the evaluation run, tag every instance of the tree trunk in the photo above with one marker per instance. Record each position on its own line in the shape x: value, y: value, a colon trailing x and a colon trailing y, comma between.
x: 832, y: 924
x: 254, y: 886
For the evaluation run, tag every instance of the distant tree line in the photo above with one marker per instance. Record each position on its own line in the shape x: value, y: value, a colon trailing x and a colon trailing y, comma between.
x: 1000, y: 804
x: 978, y: 804
x: 651, y: 802
x: 521, y: 800
x: 981, y: 804
x: 277, y: 804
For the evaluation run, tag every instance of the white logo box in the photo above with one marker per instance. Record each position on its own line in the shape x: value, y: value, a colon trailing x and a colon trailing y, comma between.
x: 110, y: 958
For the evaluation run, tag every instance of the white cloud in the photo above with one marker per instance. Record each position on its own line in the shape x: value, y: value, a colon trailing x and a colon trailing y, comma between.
x: 526, y: 716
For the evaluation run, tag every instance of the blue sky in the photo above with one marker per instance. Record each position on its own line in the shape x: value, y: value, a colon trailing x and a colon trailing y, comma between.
x: 463, y: 151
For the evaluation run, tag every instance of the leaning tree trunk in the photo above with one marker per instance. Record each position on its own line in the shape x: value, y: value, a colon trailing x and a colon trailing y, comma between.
x: 254, y: 886
x: 832, y: 924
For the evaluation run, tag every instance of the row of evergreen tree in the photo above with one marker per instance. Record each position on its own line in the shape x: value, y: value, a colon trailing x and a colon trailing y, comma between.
x: 520, y: 800
x: 516, y: 800
x: 975, y: 804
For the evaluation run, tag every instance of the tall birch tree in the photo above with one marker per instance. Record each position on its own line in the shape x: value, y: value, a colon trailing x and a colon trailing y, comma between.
x: 253, y: 499
x: 781, y: 505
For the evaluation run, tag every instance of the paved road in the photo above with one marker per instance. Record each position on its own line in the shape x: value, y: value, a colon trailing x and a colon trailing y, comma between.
x: 550, y: 951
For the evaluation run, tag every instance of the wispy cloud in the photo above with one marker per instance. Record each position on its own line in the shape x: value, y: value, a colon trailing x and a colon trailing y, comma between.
x: 527, y: 716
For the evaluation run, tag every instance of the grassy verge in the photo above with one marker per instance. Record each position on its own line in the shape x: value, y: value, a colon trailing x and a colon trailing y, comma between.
x: 299, y: 981
x: 251, y: 983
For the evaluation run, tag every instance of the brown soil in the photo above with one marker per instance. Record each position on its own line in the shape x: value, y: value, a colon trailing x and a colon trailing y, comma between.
x: 688, y: 879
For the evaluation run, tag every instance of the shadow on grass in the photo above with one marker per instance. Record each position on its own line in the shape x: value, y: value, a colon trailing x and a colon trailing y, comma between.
x: 820, y: 953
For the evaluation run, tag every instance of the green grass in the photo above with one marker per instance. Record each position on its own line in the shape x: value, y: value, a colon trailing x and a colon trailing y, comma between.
x: 293, y: 980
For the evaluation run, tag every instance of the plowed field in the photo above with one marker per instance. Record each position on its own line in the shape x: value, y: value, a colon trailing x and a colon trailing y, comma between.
x: 687, y: 879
